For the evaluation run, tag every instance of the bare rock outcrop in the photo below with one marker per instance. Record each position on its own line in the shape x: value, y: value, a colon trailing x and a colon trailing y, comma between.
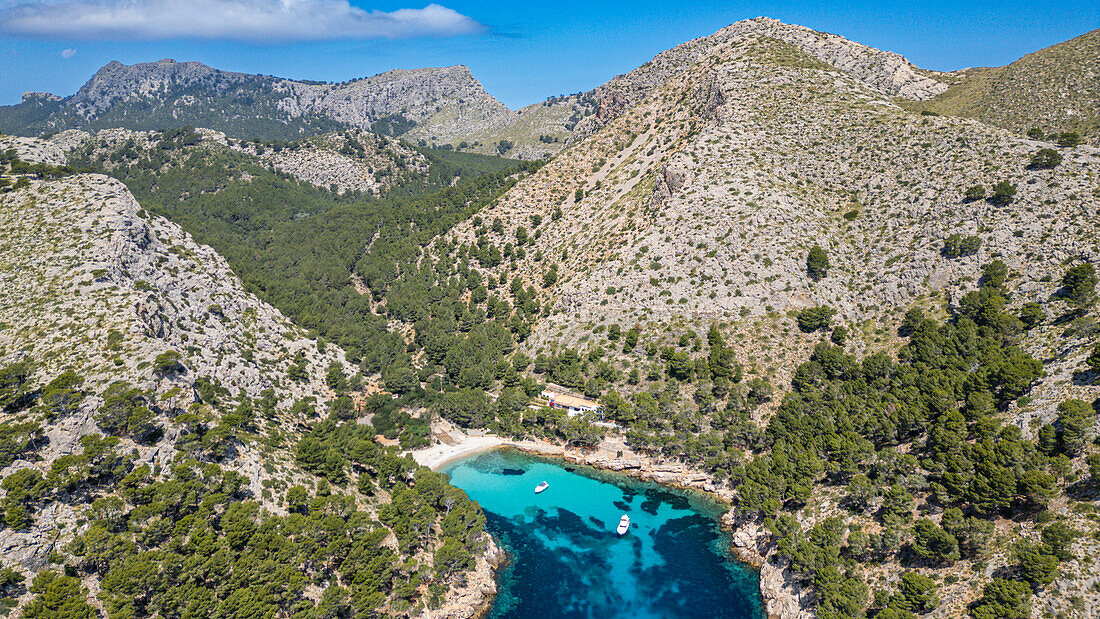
x: 449, y: 100
x: 669, y: 180
x: 34, y: 150
x: 886, y: 72
x: 88, y: 260
x: 709, y: 96
x: 474, y: 596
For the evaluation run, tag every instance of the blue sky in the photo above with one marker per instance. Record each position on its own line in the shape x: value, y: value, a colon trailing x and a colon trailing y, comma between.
x: 522, y: 52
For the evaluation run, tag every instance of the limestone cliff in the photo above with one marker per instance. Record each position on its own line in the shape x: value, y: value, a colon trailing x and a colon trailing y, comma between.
x: 86, y: 262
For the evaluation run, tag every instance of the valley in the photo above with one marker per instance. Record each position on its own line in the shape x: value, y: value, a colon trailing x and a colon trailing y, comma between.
x: 851, y: 298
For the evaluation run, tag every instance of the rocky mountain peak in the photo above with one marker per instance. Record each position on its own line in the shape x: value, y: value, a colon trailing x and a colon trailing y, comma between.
x: 444, y: 103
x: 887, y: 72
x: 116, y: 81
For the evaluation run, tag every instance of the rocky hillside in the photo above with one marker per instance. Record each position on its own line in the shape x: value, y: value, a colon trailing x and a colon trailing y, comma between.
x: 352, y: 160
x: 702, y: 201
x: 432, y: 106
x: 435, y: 105
x: 168, y: 94
x: 699, y: 205
x: 448, y: 106
x: 148, y: 402
x: 1054, y: 89
x: 135, y: 287
x: 885, y: 72
x: 568, y: 119
x: 360, y: 161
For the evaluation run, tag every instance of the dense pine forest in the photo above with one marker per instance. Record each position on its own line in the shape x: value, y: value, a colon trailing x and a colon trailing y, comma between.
x: 192, y: 540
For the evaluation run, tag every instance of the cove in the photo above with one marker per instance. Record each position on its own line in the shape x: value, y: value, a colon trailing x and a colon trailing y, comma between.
x: 567, y: 561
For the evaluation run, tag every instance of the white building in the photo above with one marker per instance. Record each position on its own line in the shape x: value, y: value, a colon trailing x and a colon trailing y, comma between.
x: 571, y: 404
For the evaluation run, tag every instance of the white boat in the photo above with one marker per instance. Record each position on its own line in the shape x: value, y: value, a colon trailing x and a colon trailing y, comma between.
x: 624, y: 525
x: 542, y: 486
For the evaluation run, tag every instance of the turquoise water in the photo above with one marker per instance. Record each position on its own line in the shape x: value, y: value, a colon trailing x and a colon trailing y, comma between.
x: 567, y: 561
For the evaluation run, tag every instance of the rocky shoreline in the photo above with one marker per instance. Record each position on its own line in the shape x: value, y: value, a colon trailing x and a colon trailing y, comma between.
x: 475, y: 596
x: 782, y: 598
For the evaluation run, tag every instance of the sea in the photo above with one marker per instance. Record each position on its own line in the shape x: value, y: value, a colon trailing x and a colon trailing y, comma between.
x: 566, y: 560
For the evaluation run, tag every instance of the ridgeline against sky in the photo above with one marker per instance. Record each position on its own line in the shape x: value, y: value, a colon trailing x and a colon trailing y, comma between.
x: 522, y: 52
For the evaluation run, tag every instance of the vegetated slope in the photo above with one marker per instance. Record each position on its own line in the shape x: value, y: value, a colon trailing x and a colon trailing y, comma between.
x: 705, y: 200
x: 699, y: 207
x: 162, y: 447
x: 567, y: 119
x: 444, y: 107
x: 350, y: 161
x: 885, y: 72
x: 325, y: 259
x: 535, y: 131
x: 167, y: 94
x: 1056, y: 89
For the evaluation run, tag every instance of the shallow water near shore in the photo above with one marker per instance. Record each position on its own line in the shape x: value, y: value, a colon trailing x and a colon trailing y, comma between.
x: 567, y: 560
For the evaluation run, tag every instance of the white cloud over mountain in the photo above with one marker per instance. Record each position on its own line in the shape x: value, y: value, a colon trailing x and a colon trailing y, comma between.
x: 275, y: 21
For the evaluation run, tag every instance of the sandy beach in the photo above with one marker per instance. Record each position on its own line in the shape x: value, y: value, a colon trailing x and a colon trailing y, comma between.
x: 436, y: 456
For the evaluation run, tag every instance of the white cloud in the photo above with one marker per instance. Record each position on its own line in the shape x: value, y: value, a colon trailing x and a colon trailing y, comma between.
x: 238, y: 20
x: 68, y: 52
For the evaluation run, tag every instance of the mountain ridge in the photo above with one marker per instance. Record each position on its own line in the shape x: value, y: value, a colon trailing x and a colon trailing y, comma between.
x: 438, y: 106
x: 447, y: 106
x: 167, y: 93
x: 887, y: 72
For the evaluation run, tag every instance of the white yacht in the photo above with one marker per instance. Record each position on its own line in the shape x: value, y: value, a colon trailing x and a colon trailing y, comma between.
x: 624, y: 525
x: 542, y: 486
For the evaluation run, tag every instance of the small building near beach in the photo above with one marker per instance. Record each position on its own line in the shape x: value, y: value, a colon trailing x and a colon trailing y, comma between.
x: 573, y: 405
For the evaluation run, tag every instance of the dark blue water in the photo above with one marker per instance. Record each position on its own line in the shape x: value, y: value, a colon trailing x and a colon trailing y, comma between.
x: 567, y: 560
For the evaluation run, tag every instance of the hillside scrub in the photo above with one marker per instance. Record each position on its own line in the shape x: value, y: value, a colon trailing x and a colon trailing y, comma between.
x: 192, y: 538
